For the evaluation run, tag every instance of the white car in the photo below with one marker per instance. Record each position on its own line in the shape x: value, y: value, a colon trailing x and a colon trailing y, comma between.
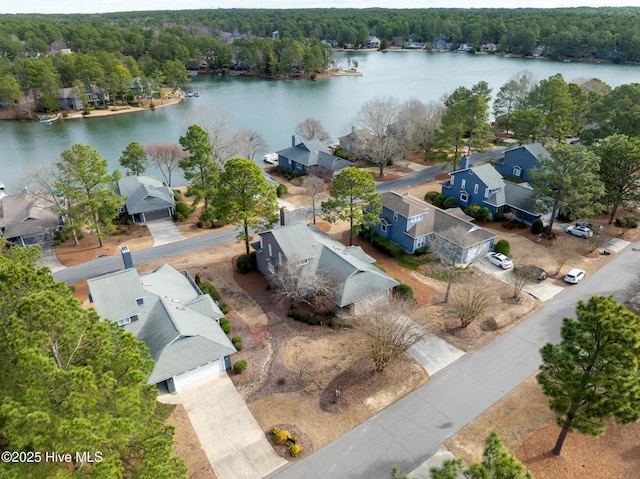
x: 574, y: 276
x: 580, y: 231
x: 500, y: 260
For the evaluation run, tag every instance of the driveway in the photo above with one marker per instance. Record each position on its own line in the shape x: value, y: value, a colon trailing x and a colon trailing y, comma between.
x: 230, y: 436
x: 164, y: 231
x: 49, y: 258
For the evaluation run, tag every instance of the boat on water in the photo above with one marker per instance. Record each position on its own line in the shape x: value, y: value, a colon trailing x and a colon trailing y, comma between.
x: 50, y: 119
x: 271, y: 158
x: 2, y: 192
x: 192, y: 74
x: 191, y: 94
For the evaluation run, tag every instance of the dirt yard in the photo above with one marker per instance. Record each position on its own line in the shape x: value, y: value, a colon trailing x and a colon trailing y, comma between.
x: 295, y: 369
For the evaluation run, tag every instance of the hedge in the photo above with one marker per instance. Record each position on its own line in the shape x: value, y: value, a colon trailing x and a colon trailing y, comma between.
x: 503, y: 247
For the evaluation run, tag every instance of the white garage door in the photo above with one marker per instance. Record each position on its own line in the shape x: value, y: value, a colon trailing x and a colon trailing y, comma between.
x: 197, y: 374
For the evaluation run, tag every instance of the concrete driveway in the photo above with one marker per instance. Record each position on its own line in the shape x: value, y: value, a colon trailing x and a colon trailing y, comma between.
x: 164, y: 231
x: 434, y: 354
x: 231, y: 437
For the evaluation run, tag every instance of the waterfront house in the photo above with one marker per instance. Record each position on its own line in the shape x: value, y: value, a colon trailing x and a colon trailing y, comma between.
x: 26, y: 219
x: 168, y: 312
x: 311, y: 155
x: 68, y: 99
x: 517, y: 162
x: 147, y: 198
x: 358, y: 283
x: 413, y: 224
x: 356, y: 142
x: 372, y: 42
x: 485, y: 186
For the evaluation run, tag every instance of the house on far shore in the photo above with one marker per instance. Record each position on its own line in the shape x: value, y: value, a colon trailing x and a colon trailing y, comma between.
x: 413, y: 223
x: 485, y: 186
x: 147, y: 198
x: 356, y: 142
x: 311, y: 156
x: 168, y: 312
x: 27, y: 220
x: 68, y: 99
x: 372, y: 42
x: 359, y: 284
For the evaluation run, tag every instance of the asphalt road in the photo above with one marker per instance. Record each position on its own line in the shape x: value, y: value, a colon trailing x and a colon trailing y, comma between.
x: 411, y: 430
x: 108, y: 264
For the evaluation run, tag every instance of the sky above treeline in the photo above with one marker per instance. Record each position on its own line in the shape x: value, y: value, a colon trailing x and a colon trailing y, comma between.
x: 101, y: 6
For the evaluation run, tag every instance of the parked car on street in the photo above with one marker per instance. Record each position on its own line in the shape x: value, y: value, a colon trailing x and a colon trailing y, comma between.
x: 580, y: 231
x: 531, y: 272
x: 575, y: 275
x: 500, y: 260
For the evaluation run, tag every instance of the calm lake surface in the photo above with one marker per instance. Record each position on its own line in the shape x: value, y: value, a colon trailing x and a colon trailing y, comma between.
x: 274, y: 107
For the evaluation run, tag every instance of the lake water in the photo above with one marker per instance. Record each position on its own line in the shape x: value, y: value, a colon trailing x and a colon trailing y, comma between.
x: 274, y: 107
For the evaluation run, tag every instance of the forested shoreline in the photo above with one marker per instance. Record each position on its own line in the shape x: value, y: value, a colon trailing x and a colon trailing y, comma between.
x: 129, y: 56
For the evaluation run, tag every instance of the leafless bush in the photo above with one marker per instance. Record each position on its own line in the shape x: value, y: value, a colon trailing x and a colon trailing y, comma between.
x: 470, y: 302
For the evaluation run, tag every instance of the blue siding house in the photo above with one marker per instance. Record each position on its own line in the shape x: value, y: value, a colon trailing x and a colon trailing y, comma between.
x: 413, y: 223
x: 517, y: 162
x: 485, y: 186
x: 311, y: 156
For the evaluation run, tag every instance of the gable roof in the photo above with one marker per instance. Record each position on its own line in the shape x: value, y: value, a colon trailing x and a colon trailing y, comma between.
x: 355, y: 275
x: 312, y: 153
x: 145, y: 194
x: 405, y: 205
x: 516, y: 195
x: 24, y: 215
x: 488, y: 175
x: 175, y: 321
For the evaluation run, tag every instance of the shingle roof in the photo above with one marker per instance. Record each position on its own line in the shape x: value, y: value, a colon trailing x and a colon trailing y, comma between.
x: 145, y: 194
x: 175, y: 322
x: 24, y: 215
x: 516, y: 195
x: 489, y: 175
x: 405, y: 205
x: 312, y: 153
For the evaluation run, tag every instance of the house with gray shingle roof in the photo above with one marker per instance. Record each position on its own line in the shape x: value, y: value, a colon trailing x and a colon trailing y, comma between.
x: 167, y: 311
x: 358, y: 283
x: 485, y: 186
x: 413, y: 223
x: 356, y: 142
x: 311, y: 155
x: 26, y: 219
x: 518, y: 161
x: 147, y: 198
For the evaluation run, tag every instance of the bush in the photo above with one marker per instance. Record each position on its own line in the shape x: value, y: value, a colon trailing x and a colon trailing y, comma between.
x: 438, y: 200
x: 224, y: 307
x: 405, y: 291
x: 344, y: 154
x: 179, y: 216
x: 421, y: 251
x: 244, y: 264
x: 450, y: 202
x: 310, y: 319
x: 208, y: 288
x: 632, y: 222
x: 238, y: 345
x: 430, y: 195
x: 183, y: 209
x: 281, y: 190
x: 499, y: 216
x: 240, y: 366
x: 236, y: 339
x: 473, y: 210
x: 386, y: 246
x: 200, y: 224
x: 280, y: 436
x: 537, y: 226
x: 225, y: 325
x: 503, y: 247
x: 295, y: 449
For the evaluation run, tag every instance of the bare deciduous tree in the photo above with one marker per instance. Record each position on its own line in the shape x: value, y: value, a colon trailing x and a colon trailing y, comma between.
x: 221, y: 129
x: 389, y: 332
x: 314, y: 186
x: 601, y: 235
x: 166, y: 157
x: 420, y: 122
x: 248, y: 143
x: 470, y: 301
x: 380, y: 117
x: 520, y: 278
x: 299, y: 283
x: 39, y: 181
x: 312, y: 129
x: 564, y: 250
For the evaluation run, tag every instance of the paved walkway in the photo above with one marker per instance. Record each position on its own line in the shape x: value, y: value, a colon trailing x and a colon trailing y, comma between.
x: 164, y: 231
x: 49, y: 258
x: 434, y: 354
x: 232, y: 439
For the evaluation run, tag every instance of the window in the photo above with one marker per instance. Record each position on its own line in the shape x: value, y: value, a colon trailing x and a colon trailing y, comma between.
x: 420, y: 242
x: 464, y: 197
x: 123, y: 321
x: 395, y: 216
x: 272, y: 270
x: 517, y: 171
x: 383, y: 227
x: 270, y: 250
x: 279, y: 257
x: 304, y: 261
x: 486, y: 192
x: 261, y: 245
x: 452, y: 178
x: 463, y: 183
x: 134, y: 318
x: 415, y: 219
x: 475, y: 189
x: 140, y: 301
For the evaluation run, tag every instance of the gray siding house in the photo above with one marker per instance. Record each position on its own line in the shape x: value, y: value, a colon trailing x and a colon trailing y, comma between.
x: 359, y: 284
x: 147, y: 198
x: 26, y: 219
x: 311, y: 156
x: 167, y: 311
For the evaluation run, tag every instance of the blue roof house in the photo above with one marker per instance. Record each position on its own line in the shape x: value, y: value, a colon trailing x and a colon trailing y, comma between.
x: 517, y: 162
x: 485, y: 186
x: 413, y: 223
